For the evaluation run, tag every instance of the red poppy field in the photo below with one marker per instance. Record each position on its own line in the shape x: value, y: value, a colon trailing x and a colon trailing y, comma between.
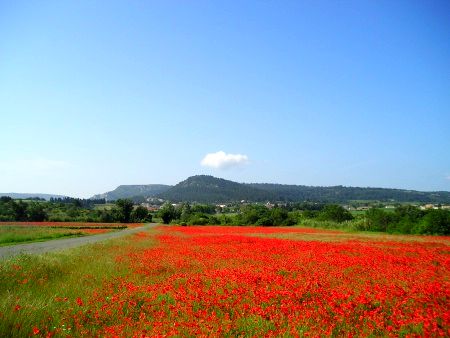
x: 243, y: 281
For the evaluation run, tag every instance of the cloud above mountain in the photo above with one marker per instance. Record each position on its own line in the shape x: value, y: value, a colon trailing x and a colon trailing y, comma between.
x: 222, y: 160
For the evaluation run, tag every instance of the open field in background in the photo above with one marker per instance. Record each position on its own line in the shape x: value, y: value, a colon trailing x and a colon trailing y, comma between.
x: 72, y: 225
x: 10, y: 235
x: 363, y: 212
x: 24, y: 232
x: 325, y: 235
x: 106, y: 206
x: 232, y: 281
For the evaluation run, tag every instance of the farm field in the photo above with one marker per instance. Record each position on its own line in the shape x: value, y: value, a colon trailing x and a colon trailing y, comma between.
x: 73, y: 225
x: 232, y: 281
x: 10, y: 235
x: 24, y: 232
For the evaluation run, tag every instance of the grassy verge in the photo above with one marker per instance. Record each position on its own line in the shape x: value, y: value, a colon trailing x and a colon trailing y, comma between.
x: 349, y: 226
x: 15, y: 235
x: 40, y: 290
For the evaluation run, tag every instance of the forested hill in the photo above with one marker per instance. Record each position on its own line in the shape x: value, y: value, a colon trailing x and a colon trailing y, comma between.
x: 209, y: 189
x: 344, y: 194
x: 130, y: 191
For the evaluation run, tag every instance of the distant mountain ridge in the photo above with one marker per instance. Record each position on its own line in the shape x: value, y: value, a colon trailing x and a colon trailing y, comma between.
x: 209, y: 189
x: 130, y: 191
x: 345, y: 194
x: 16, y: 195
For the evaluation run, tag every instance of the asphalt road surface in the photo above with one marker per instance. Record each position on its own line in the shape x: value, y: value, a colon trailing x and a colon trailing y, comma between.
x: 66, y: 243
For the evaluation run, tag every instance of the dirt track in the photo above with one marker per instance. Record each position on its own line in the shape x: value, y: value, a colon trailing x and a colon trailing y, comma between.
x: 66, y: 243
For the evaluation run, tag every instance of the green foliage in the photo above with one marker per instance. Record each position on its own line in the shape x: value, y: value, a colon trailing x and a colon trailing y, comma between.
x: 124, y: 209
x: 336, y: 213
x: 378, y: 219
x: 70, y: 210
x: 310, y: 214
x: 140, y: 214
x: 326, y: 224
x: 260, y: 215
x: 204, y: 208
x: 185, y: 212
x: 199, y: 219
x: 167, y: 213
x: 409, y: 220
x: 78, y: 202
x: 20, y: 211
x: 405, y: 219
x: 435, y: 222
x: 36, y: 212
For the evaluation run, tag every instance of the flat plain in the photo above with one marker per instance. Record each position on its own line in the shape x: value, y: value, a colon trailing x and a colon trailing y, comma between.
x: 232, y: 281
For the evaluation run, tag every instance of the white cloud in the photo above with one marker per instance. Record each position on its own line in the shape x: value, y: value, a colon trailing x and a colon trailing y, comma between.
x: 447, y: 177
x: 222, y: 160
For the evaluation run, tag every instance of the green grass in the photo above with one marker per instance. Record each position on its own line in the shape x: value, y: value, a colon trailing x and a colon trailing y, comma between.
x: 41, y: 290
x: 358, y: 212
x: 106, y: 206
x: 18, y: 234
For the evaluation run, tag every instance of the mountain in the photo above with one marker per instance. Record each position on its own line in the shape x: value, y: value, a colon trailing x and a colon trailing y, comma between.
x: 209, y: 189
x: 341, y: 194
x: 130, y: 191
x: 30, y: 195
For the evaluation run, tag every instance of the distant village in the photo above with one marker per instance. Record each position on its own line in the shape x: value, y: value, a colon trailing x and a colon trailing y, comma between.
x: 154, y: 204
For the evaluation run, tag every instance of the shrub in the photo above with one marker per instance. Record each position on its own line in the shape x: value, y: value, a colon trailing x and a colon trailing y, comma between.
x: 336, y: 213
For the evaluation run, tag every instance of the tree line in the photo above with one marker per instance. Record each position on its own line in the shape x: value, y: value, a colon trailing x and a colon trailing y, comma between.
x: 403, y: 220
x: 70, y: 210
x: 408, y: 220
x: 250, y: 214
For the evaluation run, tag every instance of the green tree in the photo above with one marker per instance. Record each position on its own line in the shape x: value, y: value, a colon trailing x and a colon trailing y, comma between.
x: 106, y: 216
x: 435, y: 222
x: 378, y: 220
x: 186, y: 212
x: 252, y: 213
x: 279, y: 216
x: 336, y: 213
x: 6, y: 209
x: 20, y: 210
x: 36, y: 212
x: 140, y: 214
x: 167, y: 213
x: 124, y: 208
x: 204, y: 208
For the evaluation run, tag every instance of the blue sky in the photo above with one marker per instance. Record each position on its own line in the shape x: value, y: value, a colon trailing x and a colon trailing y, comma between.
x: 100, y: 93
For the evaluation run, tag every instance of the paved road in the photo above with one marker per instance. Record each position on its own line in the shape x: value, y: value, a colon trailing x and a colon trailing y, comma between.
x: 60, y: 244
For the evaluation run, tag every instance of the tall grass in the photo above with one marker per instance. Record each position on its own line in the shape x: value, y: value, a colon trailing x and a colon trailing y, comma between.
x: 356, y: 224
x: 13, y: 235
x: 39, y: 290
